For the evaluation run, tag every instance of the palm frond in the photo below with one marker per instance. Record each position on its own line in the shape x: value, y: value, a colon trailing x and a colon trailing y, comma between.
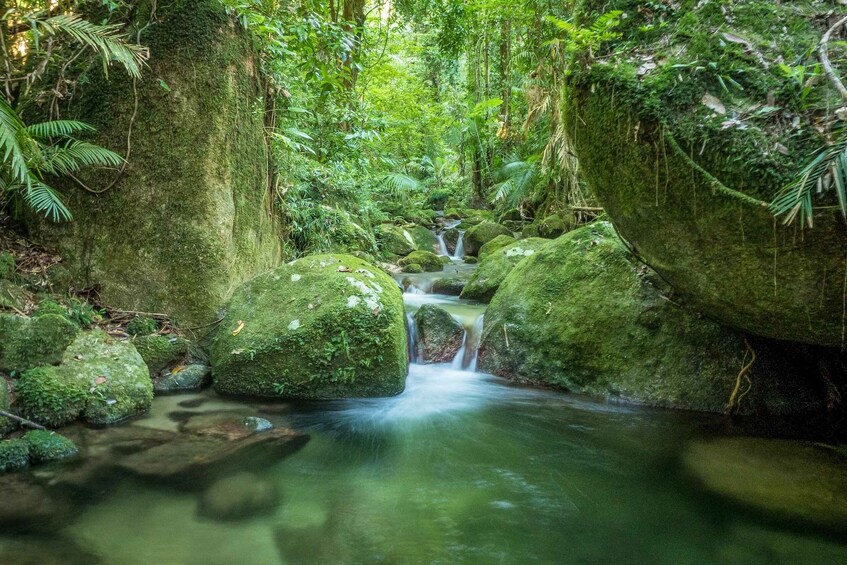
x: 57, y: 128
x: 105, y: 39
x: 827, y: 170
x: 45, y: 200
x: 74, y: 155
x: 400, y: 184
x: 14, y: 156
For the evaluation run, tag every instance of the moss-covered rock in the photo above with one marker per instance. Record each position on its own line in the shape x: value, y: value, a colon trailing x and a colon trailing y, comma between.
x: 394, y: 240
x: 423, y: 237
x: 498, y: 242
x: 141, y: 326
x: 430, y: 262
x: 582, y: 314
x: 31, y: 342
x: 480, y: 234
x: 190, y: 378
x: 13, y: 296
x: 496, y: 266
x: 554, y: 226
x: 188, y: 220
x: 687, y: 186
x: 48, y: 446
x: 7, y: 266
x: 103, y: 380
x: 14, y: 455
x: 439, y: 336
x: 322, y: 327
x: 450, y: 286
x: 413, y: 268
x: 512, y: 215
x: 161, y: 352
x: 800, y: 482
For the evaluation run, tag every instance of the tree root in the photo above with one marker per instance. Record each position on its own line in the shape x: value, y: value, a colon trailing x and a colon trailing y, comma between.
x: 23, y: 421
x: 823, y: 53
x: 735, y: 398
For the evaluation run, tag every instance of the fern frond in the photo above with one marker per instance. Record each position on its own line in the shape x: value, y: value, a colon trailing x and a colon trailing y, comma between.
x: 57, y: 128
x: 11, y: 147
x: 45, y: 200
x: 400, y: 184
x: 74, y: 155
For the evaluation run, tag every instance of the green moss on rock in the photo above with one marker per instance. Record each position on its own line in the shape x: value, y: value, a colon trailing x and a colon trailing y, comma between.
x: 103, y: 380
x: 189, y: 218
x: 429, y: 261
x: 31, y: 342
x: 482, y: 233
x: 160, y: 352
x: 583, y: 315
x: 14, y: 455
x: 440, y: 336
x: 48, y: 446
x: 498, y: 242
x: 413, y: 268
x: 450, y: 286
x: 394, y: 240
x: 13, y: 296
x: 7, y: 266
x: 322, y: 327
x: 424, y: 239
x: 496, y: 266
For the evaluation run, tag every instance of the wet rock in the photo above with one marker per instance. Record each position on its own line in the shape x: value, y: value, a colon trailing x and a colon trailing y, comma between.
x: 228, y: 427
x: 448, y: 286
x: 470, y: 260
x: 45, y: 447
x: 451, y: 239
x: 321, y: 327
x: 14, y: 455
x: 161, y: 352
x: 498, y: 242
x: 803, y: 483
x: 482, y: 233
x: 239, y: 497
x: 191, y: 378
x: 582, y: 314
x: 496, y: 266
x: 429, y: 261
x: 101, y: 379
x: 30, y: 342
x: 440, y: 336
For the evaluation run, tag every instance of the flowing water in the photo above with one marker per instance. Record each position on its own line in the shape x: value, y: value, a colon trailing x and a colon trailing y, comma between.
x: 460, y: 468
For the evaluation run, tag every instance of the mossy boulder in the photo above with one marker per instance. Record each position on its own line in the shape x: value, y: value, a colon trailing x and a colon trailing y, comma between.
x: 30, y: 342
x: 321, y: 327
x: 14, y: 455
x: 450, y: 286
x: 511, y: 215
x: 191, y: 378
x: 582, y: 314
x: 413, y: 269
x: 395, y: 240
x: 188, y: 220
x: 429, y: 261
x: 161, y: 352
x: 800, y: 482
x: 423, y: 237
x: 498, y: 242
x: 688, y: 186
x: 102, y: 380
x: 496, y: 266
x: 554, y: 226
x: 7, y: 266
x: 480, y: 234
x: 46, y: 446
x: 439, y: 337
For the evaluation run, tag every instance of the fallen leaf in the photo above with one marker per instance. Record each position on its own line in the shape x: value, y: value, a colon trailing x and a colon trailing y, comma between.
x: 713, y: 103
x: 345, y: 270
x: 100, y: 380
x: 237, y: 330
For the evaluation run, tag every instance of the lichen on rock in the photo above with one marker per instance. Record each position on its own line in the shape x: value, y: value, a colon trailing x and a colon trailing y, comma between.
x: 321, y: 327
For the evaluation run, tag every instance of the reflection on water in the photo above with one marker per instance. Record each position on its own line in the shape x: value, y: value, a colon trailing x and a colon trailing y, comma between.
x: 460, y: 468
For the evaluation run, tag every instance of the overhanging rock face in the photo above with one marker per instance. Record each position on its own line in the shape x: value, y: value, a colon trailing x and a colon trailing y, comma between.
x: 190, y: 218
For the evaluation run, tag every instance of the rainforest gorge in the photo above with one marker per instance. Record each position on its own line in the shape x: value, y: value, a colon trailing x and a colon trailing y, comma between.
x: 346, y: 281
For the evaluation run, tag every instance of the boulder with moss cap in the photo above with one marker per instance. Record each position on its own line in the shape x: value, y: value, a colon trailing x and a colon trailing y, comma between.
x: 482, y: 233
x: 30, y: 342
x: 496, y: 266
x: 321, y: 327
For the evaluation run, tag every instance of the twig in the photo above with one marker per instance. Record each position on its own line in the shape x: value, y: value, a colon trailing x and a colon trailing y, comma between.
x: 734, y: 400
x: 23, y: 421
x: 823, y: 51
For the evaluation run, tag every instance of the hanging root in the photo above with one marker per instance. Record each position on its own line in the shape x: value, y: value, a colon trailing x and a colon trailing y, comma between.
x: 735, y: 398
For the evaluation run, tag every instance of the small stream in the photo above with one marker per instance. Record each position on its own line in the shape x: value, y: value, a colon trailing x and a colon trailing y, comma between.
x: 460, y: 468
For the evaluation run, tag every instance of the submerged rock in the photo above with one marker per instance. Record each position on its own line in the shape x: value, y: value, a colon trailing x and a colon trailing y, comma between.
x: 30, y: 342
x: 321, y: 327
x: 45, y: 550
x: 482, y: 233
x: 583, y: 315
x: 241, y: 496
x: 440, y: 336
x: 191, y: 378
x: 429, y: 261
x: 496, y: 266
x: 29, y: 505
x: 101, y: 379
x: 160, y: 352
x: 498, y: 242
x: 803, y: 483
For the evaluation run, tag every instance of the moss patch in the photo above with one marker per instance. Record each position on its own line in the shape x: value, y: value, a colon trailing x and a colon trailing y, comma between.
x: 482, y: 233
x: 429, y: 261
x: 322, y: 327
x: 394, y: 240
x: 7, y: 266
x: 498, y: 242
x: 160, y: 352
x: 581, y: 314
x: 496, y: 266
x: 30, y: 342
x: 48, y: 446
x: 14, y: 455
